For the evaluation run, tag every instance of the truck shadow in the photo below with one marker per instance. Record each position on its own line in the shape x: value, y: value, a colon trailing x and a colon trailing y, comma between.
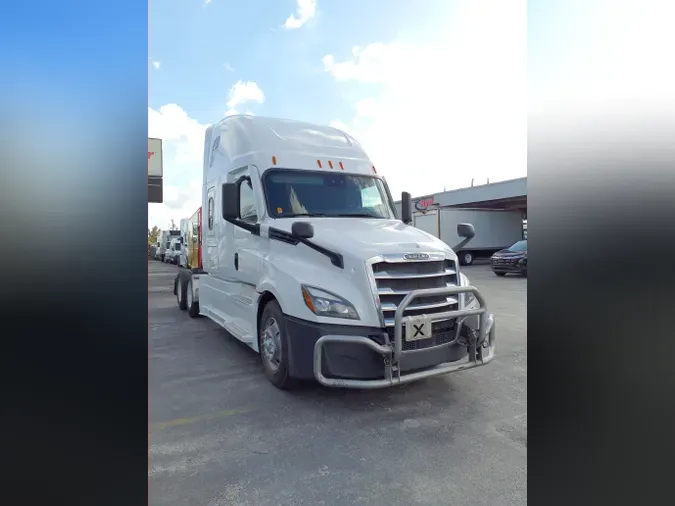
x: 307, y: 393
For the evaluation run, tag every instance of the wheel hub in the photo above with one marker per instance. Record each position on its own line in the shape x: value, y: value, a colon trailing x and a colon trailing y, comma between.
x: 271, y: 344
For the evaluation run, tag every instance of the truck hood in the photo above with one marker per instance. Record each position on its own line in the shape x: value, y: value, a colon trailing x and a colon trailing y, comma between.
x: 365, y: 238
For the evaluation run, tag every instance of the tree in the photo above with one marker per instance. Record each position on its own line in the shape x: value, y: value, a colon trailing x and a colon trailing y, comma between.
x: 153, y: 234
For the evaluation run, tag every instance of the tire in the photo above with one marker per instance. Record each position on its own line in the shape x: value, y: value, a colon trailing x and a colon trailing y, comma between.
x: 275, y: 364
x: 466, y: 257
x: 191, y: 304
x: 500, y: 274
x: 180, y: 295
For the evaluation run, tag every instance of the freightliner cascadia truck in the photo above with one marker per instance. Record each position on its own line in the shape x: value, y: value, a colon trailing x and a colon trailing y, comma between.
x: 304, y: 260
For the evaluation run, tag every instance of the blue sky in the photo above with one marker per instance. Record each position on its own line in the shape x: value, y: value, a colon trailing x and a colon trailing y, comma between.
x: 194, y: 41
x: 428, y: 89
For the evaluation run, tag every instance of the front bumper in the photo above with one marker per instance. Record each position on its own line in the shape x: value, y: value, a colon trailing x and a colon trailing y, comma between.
x: 377, y: 362
x: 516, y: 266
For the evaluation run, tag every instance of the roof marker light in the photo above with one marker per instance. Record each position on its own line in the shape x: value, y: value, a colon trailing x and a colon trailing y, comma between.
x: 374, y: 171
x: 274, y: 160
x: 342, y: 166
x: 330, y: 164
x: 318, y: 162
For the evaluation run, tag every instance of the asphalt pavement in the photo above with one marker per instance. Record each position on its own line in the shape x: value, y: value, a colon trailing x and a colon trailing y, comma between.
x: 221, y: 434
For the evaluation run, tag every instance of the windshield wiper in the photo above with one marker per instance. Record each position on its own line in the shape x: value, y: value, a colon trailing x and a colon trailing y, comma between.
x: 306, y: 215
x: 332, y: 215
x: 355, y: 215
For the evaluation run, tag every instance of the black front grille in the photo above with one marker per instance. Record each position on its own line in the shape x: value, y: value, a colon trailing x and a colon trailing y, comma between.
x: 396, y: 279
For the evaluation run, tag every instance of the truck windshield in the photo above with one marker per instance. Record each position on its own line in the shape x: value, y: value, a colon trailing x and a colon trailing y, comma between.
x: 326, y: 194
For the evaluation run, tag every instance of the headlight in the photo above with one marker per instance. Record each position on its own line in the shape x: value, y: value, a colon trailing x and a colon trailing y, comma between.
x: 323, y: 303
x: 468, y: 297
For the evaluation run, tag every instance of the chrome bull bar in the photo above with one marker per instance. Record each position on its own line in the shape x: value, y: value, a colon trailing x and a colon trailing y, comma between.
x: 481, y: 352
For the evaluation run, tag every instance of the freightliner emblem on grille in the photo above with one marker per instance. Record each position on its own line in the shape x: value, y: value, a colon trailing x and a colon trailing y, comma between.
x: 416, y: 256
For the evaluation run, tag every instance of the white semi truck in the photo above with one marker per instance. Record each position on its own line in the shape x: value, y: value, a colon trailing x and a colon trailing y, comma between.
x: 304, y: 260
x: 184, y: 232
x: 164, y: 245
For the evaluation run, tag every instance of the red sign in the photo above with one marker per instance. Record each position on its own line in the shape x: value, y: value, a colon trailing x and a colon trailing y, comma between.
x: 422, y: 204
x: 150, y: 153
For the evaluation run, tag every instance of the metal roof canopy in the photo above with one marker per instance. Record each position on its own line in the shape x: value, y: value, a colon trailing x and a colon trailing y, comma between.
x: 511, y: 194
x: 155, y: 190
x: 155, y: 171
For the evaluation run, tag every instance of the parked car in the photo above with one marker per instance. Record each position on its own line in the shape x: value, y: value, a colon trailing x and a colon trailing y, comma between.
x: 510, y: 260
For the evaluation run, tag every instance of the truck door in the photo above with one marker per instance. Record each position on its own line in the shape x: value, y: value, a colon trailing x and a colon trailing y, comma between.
x: 245, y: 256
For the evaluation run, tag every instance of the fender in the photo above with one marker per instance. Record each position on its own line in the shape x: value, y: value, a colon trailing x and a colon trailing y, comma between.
x: 264, y: 286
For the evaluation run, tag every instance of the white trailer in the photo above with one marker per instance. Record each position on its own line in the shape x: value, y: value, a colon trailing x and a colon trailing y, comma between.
x: 305, y: 262
x: 495, y: 229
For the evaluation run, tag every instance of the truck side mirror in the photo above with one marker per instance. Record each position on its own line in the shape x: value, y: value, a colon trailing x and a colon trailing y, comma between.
x: 302, y: 230
x: 406, y: 208
x: 466, y: 230
x: 230, y: 198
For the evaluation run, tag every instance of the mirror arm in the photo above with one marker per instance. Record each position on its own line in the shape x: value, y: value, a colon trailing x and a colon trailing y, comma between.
x: 461, y: 244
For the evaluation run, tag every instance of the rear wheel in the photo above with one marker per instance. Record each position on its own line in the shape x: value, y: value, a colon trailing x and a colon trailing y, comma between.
x: 500, y: 274
x: 273, y: 345
x: 180, y: 295
x: 191, y: 303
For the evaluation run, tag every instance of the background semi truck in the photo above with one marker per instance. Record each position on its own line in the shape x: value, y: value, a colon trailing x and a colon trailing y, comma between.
x: 495, y: 229
x: 184, y: 226
x: 304, y: 260
x: 165, y: 242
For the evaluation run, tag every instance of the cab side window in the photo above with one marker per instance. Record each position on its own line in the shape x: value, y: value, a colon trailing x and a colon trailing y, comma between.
x: 247, y: 208
x: 211, y: 212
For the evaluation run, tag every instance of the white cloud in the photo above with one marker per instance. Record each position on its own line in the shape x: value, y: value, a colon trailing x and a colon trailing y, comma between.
x: 182, y: 149
x: 449, y: 110
x: 156, y: 64
x: 242, y: 92
x: 306, y: 11
x: 228, y: 67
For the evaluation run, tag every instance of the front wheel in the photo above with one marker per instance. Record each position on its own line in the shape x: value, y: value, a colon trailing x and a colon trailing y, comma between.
x: 500, y: 274
x: 273, y: 345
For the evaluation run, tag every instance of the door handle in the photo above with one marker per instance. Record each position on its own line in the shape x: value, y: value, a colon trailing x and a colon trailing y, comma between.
x: 236, y: 261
